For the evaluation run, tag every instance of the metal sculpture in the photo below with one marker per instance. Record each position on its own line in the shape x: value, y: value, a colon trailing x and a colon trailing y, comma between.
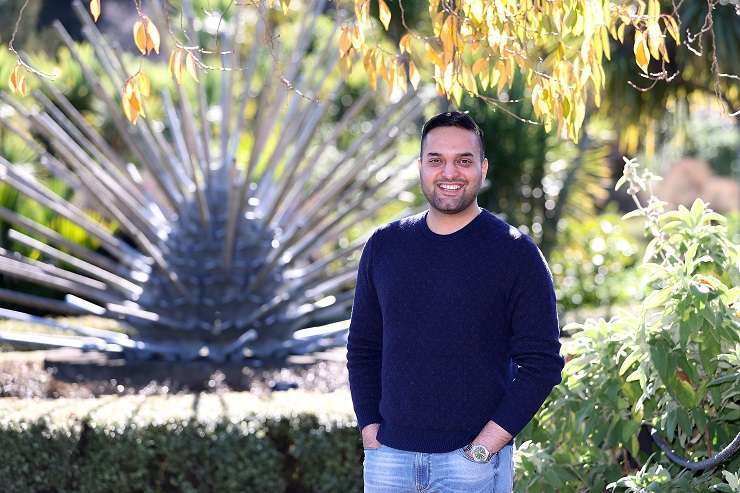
x: 224, y: 263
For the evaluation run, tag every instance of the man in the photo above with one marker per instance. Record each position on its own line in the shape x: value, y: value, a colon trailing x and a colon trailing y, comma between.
x: 453, y: 343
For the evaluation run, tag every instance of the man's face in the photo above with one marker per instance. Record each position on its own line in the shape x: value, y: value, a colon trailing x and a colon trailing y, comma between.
x: 450, y: 169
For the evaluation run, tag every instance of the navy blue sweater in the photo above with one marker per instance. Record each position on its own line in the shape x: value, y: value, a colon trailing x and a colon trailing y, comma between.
x: 451, y: 331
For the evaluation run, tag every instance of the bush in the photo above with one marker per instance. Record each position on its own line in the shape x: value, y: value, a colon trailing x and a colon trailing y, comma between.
x: 672, y: 365
x: 296, y: 454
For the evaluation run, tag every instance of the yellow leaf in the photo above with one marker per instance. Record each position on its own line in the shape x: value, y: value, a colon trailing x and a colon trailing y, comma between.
x: 468, y: 80
x: 447, y: 77
x: 380, y: 67
x: 13, y: 80
x: 508, y: 72
x: 191, y: 66
x: 484, y: 77
x: 457, y: 93
x: 642, y: 55
x: 358, y: 38
x: 414, y: 75
x: 23, y: 89
x: 285, y: 5
x: 140, y: 36
x: 446, y: 37
x: 480, y: 65
x: 672, y: 26
x: 605, y: 43
x: 404, y: 44
x: 384, y: 13
x: 664, y: 52
x: 536, y: 92
x: 345, y: 42
x: 477, y: 11
x: 655, y: 39
x: 143, y: 84
x: 620, y: 33
x: 95, y: 9
x: 131, y: 103
x: 175, y: 64
x: 433, y: 56
x: 152, y: 36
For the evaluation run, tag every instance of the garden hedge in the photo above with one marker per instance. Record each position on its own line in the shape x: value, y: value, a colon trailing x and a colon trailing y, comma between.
x: 293, y: 454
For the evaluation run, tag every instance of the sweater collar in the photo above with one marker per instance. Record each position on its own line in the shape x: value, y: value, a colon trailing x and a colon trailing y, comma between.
x: 464, y: 231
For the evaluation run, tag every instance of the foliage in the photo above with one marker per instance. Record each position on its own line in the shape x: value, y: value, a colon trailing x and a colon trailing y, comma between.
x: 559, y: 46
x: 594, y: 263
x: 253, y: 454
x: 677, y: 362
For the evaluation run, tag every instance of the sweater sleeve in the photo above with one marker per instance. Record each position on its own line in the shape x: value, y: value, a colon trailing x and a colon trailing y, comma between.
x: 364, y: 344
x: 534, y: 343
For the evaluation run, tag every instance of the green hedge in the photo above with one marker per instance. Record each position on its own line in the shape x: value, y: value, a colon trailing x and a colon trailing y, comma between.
x: 287, y: 454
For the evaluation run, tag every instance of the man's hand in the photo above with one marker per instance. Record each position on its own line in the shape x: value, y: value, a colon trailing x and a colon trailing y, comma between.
x: 369, y: 436
x: 492, y: 436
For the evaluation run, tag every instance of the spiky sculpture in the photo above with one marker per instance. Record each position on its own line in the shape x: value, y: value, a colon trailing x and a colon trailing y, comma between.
x: 224, y: 263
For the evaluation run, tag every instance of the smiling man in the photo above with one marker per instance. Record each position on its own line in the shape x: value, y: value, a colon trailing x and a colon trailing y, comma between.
x: 454, y: 339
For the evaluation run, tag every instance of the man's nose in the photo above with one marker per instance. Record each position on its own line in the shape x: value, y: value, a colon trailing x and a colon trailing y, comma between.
x: 448, y: 170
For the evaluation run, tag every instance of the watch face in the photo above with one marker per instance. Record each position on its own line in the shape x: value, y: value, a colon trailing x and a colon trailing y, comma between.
x: 479, y: 452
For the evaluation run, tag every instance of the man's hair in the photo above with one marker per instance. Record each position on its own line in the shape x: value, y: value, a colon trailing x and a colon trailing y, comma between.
x: 452, y: 119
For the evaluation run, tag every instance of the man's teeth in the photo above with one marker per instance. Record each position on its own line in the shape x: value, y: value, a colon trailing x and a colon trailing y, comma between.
x: 450, y: 187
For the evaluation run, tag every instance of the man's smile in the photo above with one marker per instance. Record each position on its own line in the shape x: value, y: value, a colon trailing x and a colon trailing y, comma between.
x: 450, y: 188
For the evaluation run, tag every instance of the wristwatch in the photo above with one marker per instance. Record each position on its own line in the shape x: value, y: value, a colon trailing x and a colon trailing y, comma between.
x: 478, y: 452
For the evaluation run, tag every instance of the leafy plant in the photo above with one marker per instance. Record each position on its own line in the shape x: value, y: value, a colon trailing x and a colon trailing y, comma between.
x: 671, y: 366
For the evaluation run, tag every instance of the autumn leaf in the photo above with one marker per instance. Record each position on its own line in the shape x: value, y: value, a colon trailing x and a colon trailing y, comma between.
x: 146, y: 36
x: 131, y: 98
x: 345, y: 41
x: 95, y: 9
x: 17, y: 81
x: 175, y: 64
x: 191, y: 65
x: 384, y: 13
x: 143, y: 84
x: 642, y: 54
x: 152, y: 36
x: 404, y: 44
x: 672, y: 27
x: 414, y: 76
x: 140, y: 36
x: 655, y: 39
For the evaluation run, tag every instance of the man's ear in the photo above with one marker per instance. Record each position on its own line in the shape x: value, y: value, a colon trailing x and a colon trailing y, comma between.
x: 484, y: 170
x: 418, y: 163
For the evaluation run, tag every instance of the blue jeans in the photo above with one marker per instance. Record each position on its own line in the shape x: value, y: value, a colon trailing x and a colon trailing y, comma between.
x: 390, y: 470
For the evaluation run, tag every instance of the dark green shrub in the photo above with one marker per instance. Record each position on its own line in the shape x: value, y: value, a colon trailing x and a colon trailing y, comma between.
x: 272, y: 455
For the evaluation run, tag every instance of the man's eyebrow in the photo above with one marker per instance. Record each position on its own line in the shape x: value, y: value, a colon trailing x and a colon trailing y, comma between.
x: 461, y: 154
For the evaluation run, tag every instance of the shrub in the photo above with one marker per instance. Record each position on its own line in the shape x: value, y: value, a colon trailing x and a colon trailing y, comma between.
x: 296, y: 454
x: 671, y: 366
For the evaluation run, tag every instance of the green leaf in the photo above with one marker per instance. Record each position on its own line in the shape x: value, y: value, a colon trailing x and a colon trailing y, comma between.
x: 697, y: 209
x: 627, y: 363
x: 629, y: 430
x: 658, y: 298
x: 631, y: 214
x: 670, y: 424
x: 689, y: 257
x: 683, y: 393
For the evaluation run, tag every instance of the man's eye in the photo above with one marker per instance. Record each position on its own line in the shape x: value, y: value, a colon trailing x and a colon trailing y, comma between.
x: 466, y: 162
x: 434, y: 161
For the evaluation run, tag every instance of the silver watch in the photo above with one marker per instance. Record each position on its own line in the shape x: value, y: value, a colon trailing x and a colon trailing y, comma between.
x: 478, y: 452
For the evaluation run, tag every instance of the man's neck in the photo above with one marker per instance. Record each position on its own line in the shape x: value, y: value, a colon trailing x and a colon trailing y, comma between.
x: 444, y: 224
